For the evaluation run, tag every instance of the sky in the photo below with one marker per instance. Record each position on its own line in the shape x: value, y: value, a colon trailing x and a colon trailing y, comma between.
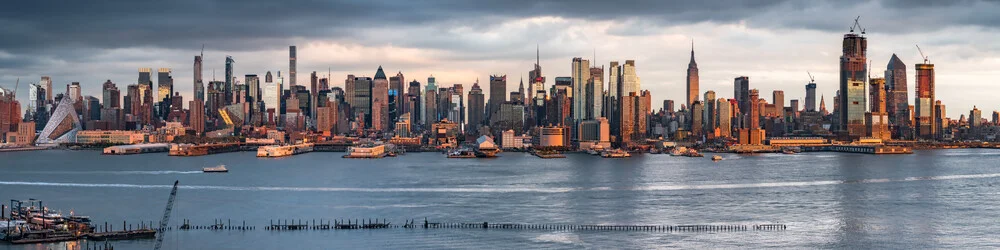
x: 773, y: 42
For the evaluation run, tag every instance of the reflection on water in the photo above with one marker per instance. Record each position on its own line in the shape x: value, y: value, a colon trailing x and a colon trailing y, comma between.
x: 927, y: 199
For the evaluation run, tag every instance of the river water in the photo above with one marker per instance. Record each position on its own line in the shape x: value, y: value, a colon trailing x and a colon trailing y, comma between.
x: 932, y: 198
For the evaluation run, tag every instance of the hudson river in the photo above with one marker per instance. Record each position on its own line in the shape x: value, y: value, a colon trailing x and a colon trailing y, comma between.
x: 930, y: 199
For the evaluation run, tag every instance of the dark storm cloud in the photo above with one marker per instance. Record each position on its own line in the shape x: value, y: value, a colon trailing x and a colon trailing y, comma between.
x: 253, y: 24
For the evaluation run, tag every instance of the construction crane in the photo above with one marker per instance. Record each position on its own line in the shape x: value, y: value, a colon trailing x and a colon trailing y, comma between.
x: 166, y: 217
x: 811, y: 78
x: 857, y: 25
x: 926, y: 61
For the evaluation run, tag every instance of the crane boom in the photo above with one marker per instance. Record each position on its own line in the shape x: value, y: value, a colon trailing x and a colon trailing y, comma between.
x: 922, y: 54
x: 166, y: 217
x: 811, y: 78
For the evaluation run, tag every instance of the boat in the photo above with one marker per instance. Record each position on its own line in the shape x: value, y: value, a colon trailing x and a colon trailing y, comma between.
x: 716, y: 158
x: 615, y: 153
x: 216, y: 169
x: 678, y: 151
x: 596, y: 149
x: 461, y: 153
x: 788, y: 152
x: 693, y: 153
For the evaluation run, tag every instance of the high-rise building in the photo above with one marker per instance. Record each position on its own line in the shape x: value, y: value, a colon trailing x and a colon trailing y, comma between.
x: 349, y: 91
x: 940, y: 119
x: 498, y: 91
x: 477, y: 106
x: 73, y: 90
x: 975, y: 117
x: 46, y: 84
x: 396, y: 102
x: 710, y: 114
x: 751, y: 134
x: 413, y: 93
x: 145, y: 83
x: 199, y: 85
x: 877, y: 120
x: 811, y: 96
x: 668, y: 105
x: 581, y: 75
x: 362, y: 100
x: 196, y: 116
x: 612, y: 105
x: 111, y: 95
x: 697, y: 119
x: 725, y: 117
x: 380, y: 99
x: 291, y: 66
x: 270, y: 96
x: 629, y: 80
x: 853, y: 73
x: 430, y: 103
x: 925, y: 118
x: 595, y: 93
x: 778, y: 96
x: 692, y: 81
x: 897, y: 103
x: 742, y: 93
x: 227, y: 90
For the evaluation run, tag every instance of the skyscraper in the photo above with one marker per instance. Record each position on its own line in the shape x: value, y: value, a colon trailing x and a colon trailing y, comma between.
x: 362, y: 100
x: 877, y: 119
x: 430, y: 103
x: 199, y: 85
x: 380, y: 100
x: 692, y: 81
x: 629, y: 80
x: 111, y: 95
x: 46, y: 84
x: 742, y: 93
x: 595, y: 93
x: 396, y: 102
x: 778, y: 96
x: 413, y: 92
x: 710, y: 113
x: 581, y: 75
x: 897, y: 102
x: 927, y: 127
x: 145, y: 83
x: 498, y: 91
x: 853, y: 73
x: 811, y: 96
x: 477, y: 107
x: 227, y: 90
x: 725, y: 115
x: 291, y: 66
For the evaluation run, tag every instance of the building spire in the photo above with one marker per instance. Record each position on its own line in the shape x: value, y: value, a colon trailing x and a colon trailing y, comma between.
x: 692, y: 63
x: 538, y: 57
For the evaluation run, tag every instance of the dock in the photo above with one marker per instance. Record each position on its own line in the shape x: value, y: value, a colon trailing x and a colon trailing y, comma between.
x: 203, y: 149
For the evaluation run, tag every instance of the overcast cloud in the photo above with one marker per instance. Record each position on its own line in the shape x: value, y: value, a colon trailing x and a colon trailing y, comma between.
x: 772, y: 42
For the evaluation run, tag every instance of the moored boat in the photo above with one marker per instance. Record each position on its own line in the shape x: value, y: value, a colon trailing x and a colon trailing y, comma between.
x: 216, y: 169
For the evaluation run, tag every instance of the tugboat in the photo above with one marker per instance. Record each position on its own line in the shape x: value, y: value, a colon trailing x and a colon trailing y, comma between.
x: 216, y: 169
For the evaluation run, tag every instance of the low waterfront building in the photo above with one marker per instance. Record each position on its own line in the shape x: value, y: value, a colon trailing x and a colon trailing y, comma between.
x: 367, y: 151
x: 551, y: 137
x: 109, y: 137
x: 796, y: 141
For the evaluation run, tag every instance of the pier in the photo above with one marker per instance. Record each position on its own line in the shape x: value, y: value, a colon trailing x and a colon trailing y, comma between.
x: 137, y: 149
x: 203, y: 149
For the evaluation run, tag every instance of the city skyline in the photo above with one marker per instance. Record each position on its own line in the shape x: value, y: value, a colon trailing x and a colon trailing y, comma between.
x: 810, y: 47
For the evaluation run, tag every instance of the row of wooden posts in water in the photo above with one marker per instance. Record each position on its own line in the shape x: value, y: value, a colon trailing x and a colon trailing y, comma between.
x: 326, y: 224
